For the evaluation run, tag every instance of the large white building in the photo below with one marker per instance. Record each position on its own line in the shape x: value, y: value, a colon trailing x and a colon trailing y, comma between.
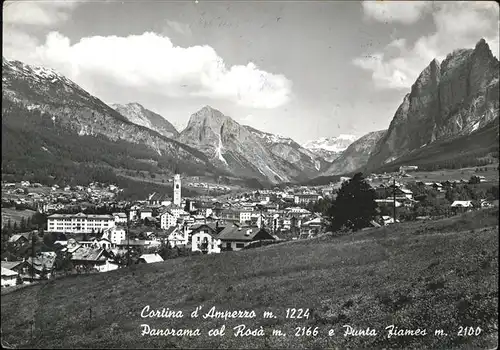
x: 115, y: 235
x: 206, y: 242
x: 169, y: 217
x: 306, y: 198
x: 177, y: 190
x: 236, y: 215
x: 79, y: 223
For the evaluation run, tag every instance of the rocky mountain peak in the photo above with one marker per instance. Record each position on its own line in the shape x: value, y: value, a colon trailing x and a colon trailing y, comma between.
x: 429, y: 77
x: 208, y: 117
x: 138, y: 114
x: 447, y: 100
x: 482, y: 45
x: 483, y: 53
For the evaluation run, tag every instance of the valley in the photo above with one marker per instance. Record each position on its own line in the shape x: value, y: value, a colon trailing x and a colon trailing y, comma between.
x: 234, y: 175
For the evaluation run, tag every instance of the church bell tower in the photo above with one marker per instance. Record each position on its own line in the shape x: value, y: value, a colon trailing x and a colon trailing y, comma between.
x: 177, y: 189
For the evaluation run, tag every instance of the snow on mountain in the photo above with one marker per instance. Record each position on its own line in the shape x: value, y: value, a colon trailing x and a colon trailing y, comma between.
x: 330, y: 148
x: 332, y: 144
x: 35, y: 73
x: 32, y: 94
x: 248, y: 152
x: 271, y: 138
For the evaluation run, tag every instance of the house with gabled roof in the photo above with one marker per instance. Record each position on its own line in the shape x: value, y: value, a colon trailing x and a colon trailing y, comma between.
x: 145, y: 212
x: 204, y: 237
x: 159, y: 199
x: 102, y: 243
x: 168, y: 219
x: 20, y: 239
x: 149, y: 258
x: 108, y: 265
x: 404, y: 192
x: 176, y: 236
x: 9, y: 277
x: 43, y: 262
x: 89, y: 257
x: 171, y: 215
x: 234, y: 237
x: 461, y: 206
x: 120, y: 218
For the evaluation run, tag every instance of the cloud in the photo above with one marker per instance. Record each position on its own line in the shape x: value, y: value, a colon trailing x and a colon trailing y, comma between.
x: 151, y: 63
x: 181, y: 28
x: 17, y: 43
x: 406, y: 12
x: 38, y: 12
x: 458, y: 25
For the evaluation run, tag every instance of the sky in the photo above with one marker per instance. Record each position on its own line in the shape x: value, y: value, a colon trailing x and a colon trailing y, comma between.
x: 301, y: 69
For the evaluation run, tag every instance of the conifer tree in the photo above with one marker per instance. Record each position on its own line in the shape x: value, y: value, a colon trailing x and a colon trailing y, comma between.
x: 354, y: 206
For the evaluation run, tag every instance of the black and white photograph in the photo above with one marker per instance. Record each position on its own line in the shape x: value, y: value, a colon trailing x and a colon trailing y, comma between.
x: 250, y: 174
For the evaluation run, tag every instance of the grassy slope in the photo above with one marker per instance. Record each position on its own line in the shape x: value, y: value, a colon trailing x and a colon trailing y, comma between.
x: 440, y: 274
x: 15, y: 215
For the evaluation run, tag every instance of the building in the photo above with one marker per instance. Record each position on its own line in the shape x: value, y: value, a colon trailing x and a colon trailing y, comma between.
x: 150, y: 258
x: 168, y: 218
x: 9, y: 277
x: 306, y: 198
x: 404, y: 192
x: 461, y: 206
x: 235, y: 237
x: 79, y: 223
x: 102, y: 243
x: 158, y: 199
x: 89, y: 258
x: 236, y: 215
x: 146, y: 213
x: 177, y: 236
x: 438, y: 187
x: 108, y: 266
x: 134, y: 213
x: 314, y: 224
x: 204, y: 238
x: 387, y: 220
x: 297, y: 210
x: 177, y: 190
x: 120, y: 218
x: 21, y: 238
x: 43, y: 264
x: 388, y: 202
x: 406, y: 168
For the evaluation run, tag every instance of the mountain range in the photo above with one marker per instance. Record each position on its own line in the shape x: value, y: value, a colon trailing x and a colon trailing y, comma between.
x: 356, y: 155
x: 330, y: 148
x: 49, y: 122
x: 41, y: 106
x: 248, y: 152
x: 47, y: 119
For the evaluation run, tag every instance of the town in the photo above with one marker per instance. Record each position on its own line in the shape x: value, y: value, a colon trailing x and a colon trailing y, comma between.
x: 84, y: 229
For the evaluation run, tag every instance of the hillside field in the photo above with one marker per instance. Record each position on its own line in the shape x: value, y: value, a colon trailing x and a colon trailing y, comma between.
x: 428, y: 275
x: 15, y: 215
x: 491, y: 174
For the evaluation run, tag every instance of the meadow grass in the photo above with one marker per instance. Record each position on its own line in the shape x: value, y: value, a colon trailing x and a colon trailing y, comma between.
x: 434, y: 275
x: 15, y: 215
